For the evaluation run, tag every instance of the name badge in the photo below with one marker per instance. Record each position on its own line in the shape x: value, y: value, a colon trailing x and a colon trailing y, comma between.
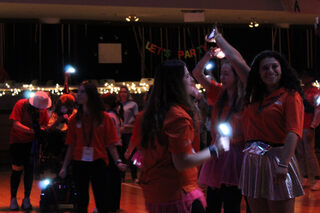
x: 87, y: 154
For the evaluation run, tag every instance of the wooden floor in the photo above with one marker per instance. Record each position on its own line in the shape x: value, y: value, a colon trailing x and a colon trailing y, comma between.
x: 132, y: 199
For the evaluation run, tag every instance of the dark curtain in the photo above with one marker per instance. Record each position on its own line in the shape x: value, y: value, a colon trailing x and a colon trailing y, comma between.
x: 39, y: 52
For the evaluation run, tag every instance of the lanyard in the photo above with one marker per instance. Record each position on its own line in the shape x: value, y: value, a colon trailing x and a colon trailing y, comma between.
x: 90, y: 132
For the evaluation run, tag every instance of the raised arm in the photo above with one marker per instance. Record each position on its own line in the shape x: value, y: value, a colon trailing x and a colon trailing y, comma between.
x: 199, y: 68
x: 234, y: 57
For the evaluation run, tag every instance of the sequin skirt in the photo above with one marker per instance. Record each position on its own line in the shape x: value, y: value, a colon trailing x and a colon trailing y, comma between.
x: 256, y: 178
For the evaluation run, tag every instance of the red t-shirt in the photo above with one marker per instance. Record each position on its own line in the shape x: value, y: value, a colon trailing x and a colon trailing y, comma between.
x: 135, y: 137
x: 160, y: 180
x: 310, y: 94
x: 235, y: 121
x: 102, y: 135
x: 276, y: 117
x: 20, y: 113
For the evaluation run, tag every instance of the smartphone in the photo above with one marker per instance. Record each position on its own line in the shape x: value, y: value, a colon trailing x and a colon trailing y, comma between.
x: 212, y: 34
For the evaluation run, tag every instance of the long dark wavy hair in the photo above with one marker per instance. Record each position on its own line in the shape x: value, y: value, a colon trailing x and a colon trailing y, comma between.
x: 256, y: 89
x: 238, y: 96
x: 168, y: 90
x: 94, y: 103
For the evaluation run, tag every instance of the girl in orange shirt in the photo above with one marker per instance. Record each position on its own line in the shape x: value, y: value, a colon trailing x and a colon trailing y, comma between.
x: 222, y: 175
x: 169, y: 171
x: 91, y: 131
x: 273, y: 123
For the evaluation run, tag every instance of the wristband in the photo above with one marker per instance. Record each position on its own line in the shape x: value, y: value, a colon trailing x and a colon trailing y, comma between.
x: 282, y: 166
x: 213, y: 151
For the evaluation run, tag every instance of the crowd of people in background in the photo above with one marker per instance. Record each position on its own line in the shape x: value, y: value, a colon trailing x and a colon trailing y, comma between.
x: 269, y: 118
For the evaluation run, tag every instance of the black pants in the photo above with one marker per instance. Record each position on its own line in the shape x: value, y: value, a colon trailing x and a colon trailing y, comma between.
x: 228, y: 196
x: 96, y: 173
x: 197, y: 207
x: 125, y: 143
x: 114, y: 184
x: 21, y: 156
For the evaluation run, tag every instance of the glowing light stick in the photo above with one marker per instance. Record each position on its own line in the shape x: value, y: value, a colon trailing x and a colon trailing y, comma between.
x: 317, y: 100
x: 28, y: 94
x: 209, y: 66
x: 225, y: 132
x: 44, y: 183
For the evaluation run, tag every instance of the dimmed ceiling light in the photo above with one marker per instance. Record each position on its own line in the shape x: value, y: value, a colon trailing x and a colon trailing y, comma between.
x: 253, y: 23
x: 132, y: 18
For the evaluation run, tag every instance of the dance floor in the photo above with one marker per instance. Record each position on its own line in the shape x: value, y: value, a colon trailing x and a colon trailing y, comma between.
x: 132, y: 199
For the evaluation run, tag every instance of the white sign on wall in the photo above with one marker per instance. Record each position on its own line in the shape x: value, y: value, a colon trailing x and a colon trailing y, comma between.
x: 110, y: 53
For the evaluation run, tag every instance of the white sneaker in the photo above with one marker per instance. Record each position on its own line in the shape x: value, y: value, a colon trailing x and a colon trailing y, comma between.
x: 316, y: 186
x: 14, y: 204
x: 26, y: 205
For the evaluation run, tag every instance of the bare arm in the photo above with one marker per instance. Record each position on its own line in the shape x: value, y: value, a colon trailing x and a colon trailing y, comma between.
x: 198, y: 71
x: 115, y: 156
x: 281, y: 171
x: 19, y: 126
x: 289, y: 148
x: 185, y: 161
x: 66, y: 162
x: 114, y: 153
x: 54, y: 121
x: 129, y: 150
x: 235, y: 58
x: 68, y: 157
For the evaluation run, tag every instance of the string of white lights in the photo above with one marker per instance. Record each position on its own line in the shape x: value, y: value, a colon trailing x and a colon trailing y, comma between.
x: 134, y: 88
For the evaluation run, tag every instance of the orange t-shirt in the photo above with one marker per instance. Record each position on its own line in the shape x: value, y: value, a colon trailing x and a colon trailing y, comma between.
x: 276, y: 117
x: 135, y: 137
x: 235, y: 121
x: 103, y: 135
x: 160, y: 180
x: 20, y: 113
